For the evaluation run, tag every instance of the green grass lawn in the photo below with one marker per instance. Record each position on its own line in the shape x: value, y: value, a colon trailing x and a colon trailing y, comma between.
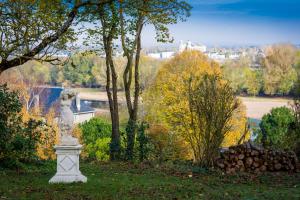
x: 124, y: 181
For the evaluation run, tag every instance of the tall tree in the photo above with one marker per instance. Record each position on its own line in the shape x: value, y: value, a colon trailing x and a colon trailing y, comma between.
x: 36, y: 29
x: 125, y: 19
x: 109, y: 32
x: 134, y: 15
x: 104, y: 34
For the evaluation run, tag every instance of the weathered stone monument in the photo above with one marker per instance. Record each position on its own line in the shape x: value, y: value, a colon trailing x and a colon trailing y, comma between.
x: 69, y: 148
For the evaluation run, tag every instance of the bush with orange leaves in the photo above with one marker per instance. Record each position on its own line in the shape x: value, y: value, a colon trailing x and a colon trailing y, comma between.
x: 16, y: 81
x: 167, y: 146
x: 20, y: 135
x: 49, y: 132
x: 49, y: 137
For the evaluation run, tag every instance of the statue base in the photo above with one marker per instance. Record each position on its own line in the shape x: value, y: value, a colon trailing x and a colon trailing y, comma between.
x: 68, y: 165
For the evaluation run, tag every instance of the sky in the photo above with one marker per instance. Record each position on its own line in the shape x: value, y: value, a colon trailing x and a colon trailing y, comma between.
x: 237, y: 22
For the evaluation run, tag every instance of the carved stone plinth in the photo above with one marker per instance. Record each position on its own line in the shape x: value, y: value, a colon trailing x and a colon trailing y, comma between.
x: 68, y: 165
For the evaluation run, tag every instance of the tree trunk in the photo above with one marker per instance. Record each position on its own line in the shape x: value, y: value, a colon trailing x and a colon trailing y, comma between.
x: 115, y: 143
x: 109, y: 31
x: 133, y: 106
x: 111, y: 79
x: 113, y: 107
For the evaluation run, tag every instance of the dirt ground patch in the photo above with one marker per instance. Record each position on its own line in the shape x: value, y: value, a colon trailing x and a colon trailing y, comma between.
x: 257, y: 107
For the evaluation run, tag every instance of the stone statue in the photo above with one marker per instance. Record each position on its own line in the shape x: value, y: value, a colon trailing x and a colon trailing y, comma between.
x: 66, y: 121
x: 69, y: 149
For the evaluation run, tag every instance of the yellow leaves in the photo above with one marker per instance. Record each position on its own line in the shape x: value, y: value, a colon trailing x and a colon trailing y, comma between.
x: 167, y: 103
x: 49, y: 137
x: 34, y: 113
x: 169, y: 89
x: 168, y: 145
x: 190, y: 62
x: 239, y: 128
x: 77, y: 133
x: 25, y: 114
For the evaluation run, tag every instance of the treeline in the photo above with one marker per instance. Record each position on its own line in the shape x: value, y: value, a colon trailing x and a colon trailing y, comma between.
x: 277, y: 75
x: 81, y: 70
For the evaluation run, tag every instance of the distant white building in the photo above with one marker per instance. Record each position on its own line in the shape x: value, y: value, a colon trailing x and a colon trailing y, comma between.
x: 167, y: 54
x: 154, y: 55
x: 190, y: 46
x: 216, y: 56
x: 234, y: 56
x: 162, y: 55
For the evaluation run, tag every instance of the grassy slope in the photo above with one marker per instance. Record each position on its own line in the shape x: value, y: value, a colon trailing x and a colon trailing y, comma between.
x: 120, y: 181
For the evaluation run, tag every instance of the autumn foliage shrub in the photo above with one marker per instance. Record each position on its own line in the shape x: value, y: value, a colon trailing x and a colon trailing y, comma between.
x: 49, y: 137
x: 167, y: 102
x: 18, y: 139
x: 240, y: 129
x: 167, y: 145
x: 24, y: 88
x: 211, y: 107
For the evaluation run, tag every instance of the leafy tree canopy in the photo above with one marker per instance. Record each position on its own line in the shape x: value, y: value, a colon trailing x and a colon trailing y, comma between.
x: 278, y: 69
x: 36, y: 29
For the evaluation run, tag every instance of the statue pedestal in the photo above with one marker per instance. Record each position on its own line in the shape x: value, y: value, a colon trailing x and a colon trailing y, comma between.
x: 68, y: 165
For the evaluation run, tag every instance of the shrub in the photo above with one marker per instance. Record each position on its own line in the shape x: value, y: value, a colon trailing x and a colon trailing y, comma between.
x: 274, y: 128
x: 143, y: 141
x: 94, y: 129
x: 49, y: 137
x: 100, y: 149
x: 294, y: 129
x: 167, y: 145
x: 95, y: 134
x: 167, y: 102
x: 212, y: 105
x: 18, y: 139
